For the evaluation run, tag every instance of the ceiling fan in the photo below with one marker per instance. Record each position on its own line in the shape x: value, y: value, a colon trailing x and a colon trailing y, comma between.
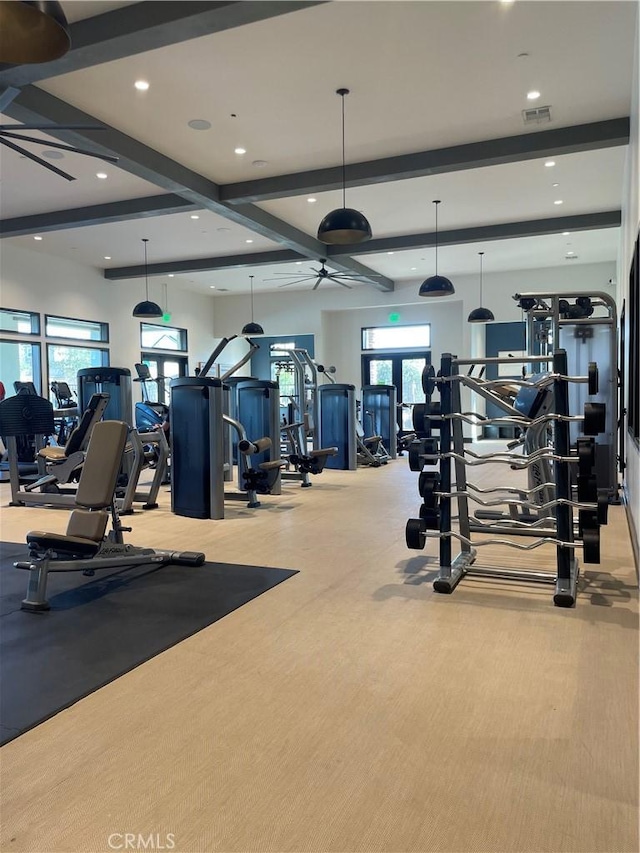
x: 9, y: 132
x: 321, y: 275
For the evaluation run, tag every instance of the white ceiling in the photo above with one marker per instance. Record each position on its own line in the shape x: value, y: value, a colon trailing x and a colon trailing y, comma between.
x: 422, y: 75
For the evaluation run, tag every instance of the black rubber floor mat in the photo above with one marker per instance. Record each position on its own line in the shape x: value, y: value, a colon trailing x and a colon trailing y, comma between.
x: 100, y: 628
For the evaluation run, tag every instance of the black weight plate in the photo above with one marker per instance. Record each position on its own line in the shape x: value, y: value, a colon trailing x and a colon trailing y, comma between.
x: 587, y: 488
x: 603, y: 506
x: 416, y: 454
x: 414, y: 534
x: 593, y: 378
x: 430, y: 516
x: 591, y: 546
x: 434, y: 410
x: 428, y: 379
x: 417, y: 416
x: 586, y: 448
x: 595, y: 418
x: 587, y: 520
x: 428, y: 482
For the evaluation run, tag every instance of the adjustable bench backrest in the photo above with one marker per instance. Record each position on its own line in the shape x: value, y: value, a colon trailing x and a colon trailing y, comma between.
x: 98, y: 480
x: 80, y: 435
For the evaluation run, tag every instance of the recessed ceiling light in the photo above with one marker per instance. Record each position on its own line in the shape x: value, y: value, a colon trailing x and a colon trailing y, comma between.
x: 194, y: 216
x: 558, y: 201
x: 170, y: 275
x: 141, y: 85
x: 570, y: 253
x: 37, y: 238
x: 566, y: 233
x: 101, y: 175
x: 107, y: 257
x: 555, y: 185
x: 550, y: 163
x: 53, y: 155
x: 311, y: 200
x: 533, y: 95
x: 212, y: 286
x: 199, y: 124
x: 298, y: 263
x: 413, y: 269
x: 240, y: 150
x: 390, y: 253
x: 248, y: 241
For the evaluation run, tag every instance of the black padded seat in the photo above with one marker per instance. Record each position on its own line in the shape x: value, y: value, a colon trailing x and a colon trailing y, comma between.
x: 76, y: 546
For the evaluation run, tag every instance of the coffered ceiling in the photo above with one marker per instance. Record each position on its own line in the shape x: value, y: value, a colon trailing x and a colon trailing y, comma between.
x: 435, y: 110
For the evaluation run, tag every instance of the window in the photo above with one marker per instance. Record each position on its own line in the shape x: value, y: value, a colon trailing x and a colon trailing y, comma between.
x: 81, y: 330
x: 396, y: 337
x: 19, y: 322
x: 64, y: 362
x: 162, y: 337
x: 633, y: 406
x: 19, y: 361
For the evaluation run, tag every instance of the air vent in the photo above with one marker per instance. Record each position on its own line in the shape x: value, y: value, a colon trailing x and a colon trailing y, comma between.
x: 223, y: 290
x: 538, y: 115
x: 571, y: 257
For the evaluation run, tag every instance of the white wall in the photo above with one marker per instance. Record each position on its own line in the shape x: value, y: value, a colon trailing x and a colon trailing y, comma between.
x: 336, y: 316
x: 629, y: 232
x: 35, y: 281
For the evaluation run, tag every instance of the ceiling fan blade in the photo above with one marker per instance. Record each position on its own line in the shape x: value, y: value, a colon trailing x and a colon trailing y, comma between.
x: 287, y: 275
x: 73, y: 148
x: 291, y: 282
x: 317, y: 284
x: 343, y: 284
x: 356, y: 276
x: 33, y: 157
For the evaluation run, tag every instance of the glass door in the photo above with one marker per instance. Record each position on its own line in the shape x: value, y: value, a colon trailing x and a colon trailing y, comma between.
x: 163, y: 368
x: 404, y: 370
x: 410, y: 389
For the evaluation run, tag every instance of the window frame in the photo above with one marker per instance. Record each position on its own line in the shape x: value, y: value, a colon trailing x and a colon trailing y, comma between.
x: 408, y: 348
x: 53, y: 343
x: 104, y: 329
x: 37, y: 372
x: 33, y: 314
x: 633, y: 345
x: 184, y: 339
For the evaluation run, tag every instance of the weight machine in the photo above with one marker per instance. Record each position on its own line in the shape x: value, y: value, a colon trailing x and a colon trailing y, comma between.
x: 306, y: 426
x: 586, y: 326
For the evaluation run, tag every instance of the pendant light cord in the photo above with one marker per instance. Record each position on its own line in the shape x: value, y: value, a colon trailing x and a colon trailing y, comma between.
x: 481, y: 254
x: 344, y: 173
x: 145, y: 240
x: 251, y: 280
x: 436, y: 204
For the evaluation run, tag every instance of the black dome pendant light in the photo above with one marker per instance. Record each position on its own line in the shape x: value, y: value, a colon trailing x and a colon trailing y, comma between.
x: 480, y: 315
x: 252, y: 328
x: 344, y: 225
x: 436, y: 285
x: 147, y: 309
x: 32, y: 32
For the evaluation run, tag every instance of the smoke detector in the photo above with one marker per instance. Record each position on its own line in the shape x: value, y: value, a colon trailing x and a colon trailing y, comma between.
x: 537, y: 115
